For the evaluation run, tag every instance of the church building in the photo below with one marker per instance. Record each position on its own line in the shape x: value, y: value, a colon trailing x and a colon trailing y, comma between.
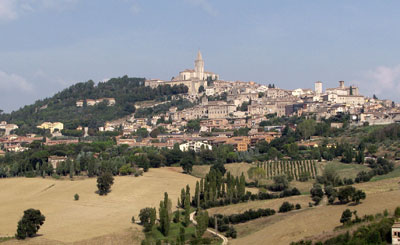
x: 198, y: 73
x: 193, y: 79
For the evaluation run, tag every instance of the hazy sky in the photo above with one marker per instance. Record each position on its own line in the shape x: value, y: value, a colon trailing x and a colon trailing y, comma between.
x: 47, y: 45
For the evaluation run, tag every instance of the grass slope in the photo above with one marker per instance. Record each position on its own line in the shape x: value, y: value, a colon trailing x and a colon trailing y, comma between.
x: 93, y: 215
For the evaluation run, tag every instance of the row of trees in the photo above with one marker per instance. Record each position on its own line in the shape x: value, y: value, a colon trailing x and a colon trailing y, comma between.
x: 214, y: 188
x: 223, y: 221
x: 343, y: 194
x: 148, y: 218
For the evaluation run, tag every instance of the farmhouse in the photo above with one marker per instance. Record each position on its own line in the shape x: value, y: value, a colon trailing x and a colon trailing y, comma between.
x: 52, y: 126
x: 396, y: 233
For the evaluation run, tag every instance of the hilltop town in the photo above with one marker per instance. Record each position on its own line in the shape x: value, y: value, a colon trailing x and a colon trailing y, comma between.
x: 236, y: 162
x: 221, y: 112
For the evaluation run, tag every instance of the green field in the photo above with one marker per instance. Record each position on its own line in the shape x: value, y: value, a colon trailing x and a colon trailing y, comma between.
x: 346, y: 170
x: 395, y: 173
x: 156, y: 234
x: 3, y: 239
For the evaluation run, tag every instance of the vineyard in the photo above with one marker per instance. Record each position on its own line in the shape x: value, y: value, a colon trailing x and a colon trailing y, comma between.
x: 293, y: 169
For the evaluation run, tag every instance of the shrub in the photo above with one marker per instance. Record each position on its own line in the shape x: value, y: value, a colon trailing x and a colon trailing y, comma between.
x: 298, y: 206
x: 286, y: 207
x: 133, y: 219
x: 30, y: 223
x: 346, y: 216
x: 231, y: 232
x: 76, y: 197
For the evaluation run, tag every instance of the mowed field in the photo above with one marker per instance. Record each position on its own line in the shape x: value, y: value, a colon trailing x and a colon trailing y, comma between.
x: 93, y: 219
x: 309, y: 222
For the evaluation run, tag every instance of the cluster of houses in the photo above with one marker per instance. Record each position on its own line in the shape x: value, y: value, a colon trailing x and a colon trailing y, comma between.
x: 93, y: 102
x: 225, y: 106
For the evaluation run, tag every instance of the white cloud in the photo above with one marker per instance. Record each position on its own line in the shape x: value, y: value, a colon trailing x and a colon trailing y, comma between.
x: 8, y: 10
x: 383, y: 81
x: 135, y: 8
x: 12, y: 82
x: 204, y: 5
x: 12, y: 9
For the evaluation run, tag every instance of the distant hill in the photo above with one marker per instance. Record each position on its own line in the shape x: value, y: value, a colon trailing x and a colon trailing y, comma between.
x: 62, y: 106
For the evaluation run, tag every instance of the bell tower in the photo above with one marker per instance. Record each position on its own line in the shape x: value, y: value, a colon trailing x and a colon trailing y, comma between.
x: 199, y: 66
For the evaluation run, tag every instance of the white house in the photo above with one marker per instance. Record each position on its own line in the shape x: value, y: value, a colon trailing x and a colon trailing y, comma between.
x: 195, y: 146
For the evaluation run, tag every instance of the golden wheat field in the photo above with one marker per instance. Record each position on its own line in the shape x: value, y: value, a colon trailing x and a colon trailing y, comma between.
x: 93, y: 219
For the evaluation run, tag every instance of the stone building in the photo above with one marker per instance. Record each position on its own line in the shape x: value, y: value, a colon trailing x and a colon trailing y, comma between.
x: 396, y: 233
x: 192, y: 78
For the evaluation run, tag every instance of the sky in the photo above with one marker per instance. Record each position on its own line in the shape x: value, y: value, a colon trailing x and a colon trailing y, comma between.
x: 48, y: 45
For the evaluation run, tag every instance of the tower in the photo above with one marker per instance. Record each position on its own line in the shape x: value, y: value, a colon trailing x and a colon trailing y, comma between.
x: 318, y: 87
x: 199, y: 66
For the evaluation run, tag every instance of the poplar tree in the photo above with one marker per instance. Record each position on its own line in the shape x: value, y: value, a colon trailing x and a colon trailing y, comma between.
x: 165, y: 216
x: 196, y: 198
x: 202, y: 223
x: 187, y: 211
x: 183, y: 195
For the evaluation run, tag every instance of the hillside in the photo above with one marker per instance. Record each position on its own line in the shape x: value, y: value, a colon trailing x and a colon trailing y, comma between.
x: 93, y: 215
x: 62, y: 106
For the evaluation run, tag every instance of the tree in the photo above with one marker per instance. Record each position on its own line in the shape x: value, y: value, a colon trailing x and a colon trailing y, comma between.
x: 219, y: 166
x: 187, y: 163
x: 280, y: 183
x: 182, y: 236
x: 104, y: 182
x: 30, y: 223
x: 316, y: 193
x: 306, y: 128
x: 76, y: 197
x: 187, y: 210
x: 345, y: 194
x: 142, y: 132
x: 147, y: 218
x: 201, y: 89
x: 193, y: 125
x: 348, y: 154
x: 165, y: 215
x: 358, y: 195
x: 256, y: 173
x: 372, y: 149
x: 346, y: 216
x: 155, y: 132
x: 196, y: 199
x: 202, y: 223
x: 397, y: 212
